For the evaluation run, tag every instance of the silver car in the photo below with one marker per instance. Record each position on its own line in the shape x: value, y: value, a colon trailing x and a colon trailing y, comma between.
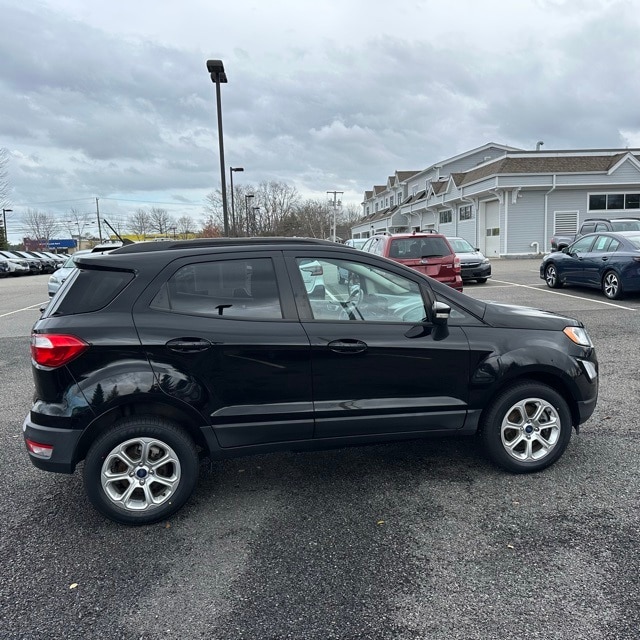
x: 59, y: 276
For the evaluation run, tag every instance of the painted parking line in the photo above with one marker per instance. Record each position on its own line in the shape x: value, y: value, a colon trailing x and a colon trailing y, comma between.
x: 567, y: 295
x: 33, y: 306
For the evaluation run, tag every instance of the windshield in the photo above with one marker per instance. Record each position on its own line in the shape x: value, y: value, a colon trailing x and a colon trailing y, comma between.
x: 625, y: 225
x: 460, y: 245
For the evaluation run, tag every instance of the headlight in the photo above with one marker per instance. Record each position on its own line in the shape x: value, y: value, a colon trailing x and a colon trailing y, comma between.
x: 578, y: 335
x: 485, y: 261
x: 53, y: 280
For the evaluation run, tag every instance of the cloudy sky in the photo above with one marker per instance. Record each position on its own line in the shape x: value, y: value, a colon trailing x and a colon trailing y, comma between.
x: 113, y: 100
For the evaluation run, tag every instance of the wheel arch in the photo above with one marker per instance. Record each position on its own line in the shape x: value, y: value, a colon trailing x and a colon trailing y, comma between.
x: 185, y: 419
x: 551, y: 380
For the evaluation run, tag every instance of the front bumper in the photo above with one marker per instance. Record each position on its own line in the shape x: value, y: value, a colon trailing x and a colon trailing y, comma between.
x: 63, y: 441
x: 473, y: 272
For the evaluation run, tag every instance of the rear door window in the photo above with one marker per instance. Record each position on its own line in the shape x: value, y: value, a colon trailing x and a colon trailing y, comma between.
x: 238, y: 288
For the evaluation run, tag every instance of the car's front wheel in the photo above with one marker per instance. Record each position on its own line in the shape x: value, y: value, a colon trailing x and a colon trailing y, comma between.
x: 481, y: 280
x: 141, y: 470
x: 551, y: 277
x: 527, y: 427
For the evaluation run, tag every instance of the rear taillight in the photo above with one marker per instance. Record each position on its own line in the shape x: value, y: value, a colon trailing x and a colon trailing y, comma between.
x: 314, y: 271
x: 54, y: 349
x: 40, y: 450
x: 456, y: 264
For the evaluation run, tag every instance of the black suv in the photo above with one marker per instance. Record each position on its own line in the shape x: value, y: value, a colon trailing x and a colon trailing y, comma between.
x: 159, y: 353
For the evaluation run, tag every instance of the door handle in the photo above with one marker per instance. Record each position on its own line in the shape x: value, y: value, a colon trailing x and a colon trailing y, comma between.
x: 348, y: 345
x: 188, y: 344
x: 604, y: 258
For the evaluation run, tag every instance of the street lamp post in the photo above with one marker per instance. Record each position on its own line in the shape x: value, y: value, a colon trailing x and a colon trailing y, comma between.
x: 216, y: 70
x: 246, y: 206
x: 233, y: 210
x: 254, y: 210
x: 5, y: 239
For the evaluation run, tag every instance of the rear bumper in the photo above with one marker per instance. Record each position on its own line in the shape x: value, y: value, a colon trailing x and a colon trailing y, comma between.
x: 63, y: 441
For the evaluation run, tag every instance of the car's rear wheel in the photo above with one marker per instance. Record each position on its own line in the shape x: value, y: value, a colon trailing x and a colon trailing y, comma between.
x: 481, y: 280
x: 612, y: 286
x: 527, y: 427
x: 141, y: 470
x: 551, y: 277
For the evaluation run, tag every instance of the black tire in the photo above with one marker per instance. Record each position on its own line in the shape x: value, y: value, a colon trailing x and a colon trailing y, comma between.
x: 168, y: 480
x: 551, y: 277
x: 481, y: 280
x: 612, y: 285
x: 515, y: 441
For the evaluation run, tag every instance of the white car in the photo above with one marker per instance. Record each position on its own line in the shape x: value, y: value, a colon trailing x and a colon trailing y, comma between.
x: 17, y: 267
x: 61, y: 274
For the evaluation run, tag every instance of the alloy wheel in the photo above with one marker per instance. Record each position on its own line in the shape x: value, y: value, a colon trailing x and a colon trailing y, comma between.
x: 530, y: 429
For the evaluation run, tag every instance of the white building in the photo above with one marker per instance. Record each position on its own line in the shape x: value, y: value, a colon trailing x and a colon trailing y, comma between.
x: 506, y: 201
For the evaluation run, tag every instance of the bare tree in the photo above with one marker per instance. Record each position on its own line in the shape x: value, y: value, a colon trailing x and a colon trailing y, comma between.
x: 76, y: 223
x: 185, y: 227
x: 310, y: 218
x: 139, y: 223
x: 40, y: 226
x: 211, y: 228
x: 213, y: 207
x: 277, y: 200
x: 160, y: 220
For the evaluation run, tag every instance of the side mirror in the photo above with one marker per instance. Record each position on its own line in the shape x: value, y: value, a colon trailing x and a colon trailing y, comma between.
x: 441, y: 313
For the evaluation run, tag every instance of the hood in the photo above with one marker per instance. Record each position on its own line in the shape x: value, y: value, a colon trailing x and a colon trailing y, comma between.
x: 470, y: 256
x: 516, y: 317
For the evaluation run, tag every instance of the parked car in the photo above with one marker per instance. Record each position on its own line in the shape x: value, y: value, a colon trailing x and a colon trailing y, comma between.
x: 606, y: 261
x: 17, y: 266
x: 428, y: 253
x: 474, y: 265
x: 158, y: 353
x: 35, y: 266
x: 59, y: 258
x: 50, y: 264
x: 61, y: 274
x: 594, y: 225
x: 45, y: 265
x: 313, y: 278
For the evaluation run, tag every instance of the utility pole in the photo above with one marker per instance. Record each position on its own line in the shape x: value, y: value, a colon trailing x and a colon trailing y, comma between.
x: 336, y: 203
x: 99, y: 225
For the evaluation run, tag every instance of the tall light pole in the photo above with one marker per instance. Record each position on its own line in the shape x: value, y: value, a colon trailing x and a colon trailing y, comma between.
x: 246, y: 206
x: 233, y: 210
x: 254, y: 211
x: 336, y: 202
x: 216, y: 70
x: 5, y: 239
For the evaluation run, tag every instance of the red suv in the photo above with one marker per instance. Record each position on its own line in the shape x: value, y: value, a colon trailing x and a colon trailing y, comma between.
x: 428, y: 253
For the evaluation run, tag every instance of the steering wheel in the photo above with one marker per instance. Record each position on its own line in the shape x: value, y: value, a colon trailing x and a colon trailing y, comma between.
x: 356, y: 295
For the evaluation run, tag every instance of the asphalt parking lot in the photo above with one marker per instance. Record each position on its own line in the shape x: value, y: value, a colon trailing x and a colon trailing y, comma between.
x: 410, y: 540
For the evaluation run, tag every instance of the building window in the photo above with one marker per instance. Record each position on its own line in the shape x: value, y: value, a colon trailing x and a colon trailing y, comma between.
x: 391, y: 201
x: 367, y: 211
x: 617, y: 201
x: 465, y: 213
x: 376, y: 207
x: 446, y: 216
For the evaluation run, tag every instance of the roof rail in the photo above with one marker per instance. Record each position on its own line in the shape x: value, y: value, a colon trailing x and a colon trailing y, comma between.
x: 212, y: 243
